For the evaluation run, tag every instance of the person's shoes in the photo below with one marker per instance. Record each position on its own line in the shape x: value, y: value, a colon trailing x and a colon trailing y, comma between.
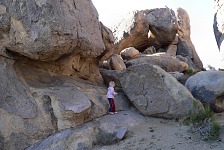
x: 111, y: 113
x: 115, y: 112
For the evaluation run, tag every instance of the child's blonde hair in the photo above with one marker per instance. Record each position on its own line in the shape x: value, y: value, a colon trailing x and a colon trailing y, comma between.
x: 111, y: 84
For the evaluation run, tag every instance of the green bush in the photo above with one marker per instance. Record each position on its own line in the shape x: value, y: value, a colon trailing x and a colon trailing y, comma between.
x: 204, y: 121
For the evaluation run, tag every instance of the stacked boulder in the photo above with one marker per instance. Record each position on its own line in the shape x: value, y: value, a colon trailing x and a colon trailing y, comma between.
x: 149, y: 58
x: 159, y: 29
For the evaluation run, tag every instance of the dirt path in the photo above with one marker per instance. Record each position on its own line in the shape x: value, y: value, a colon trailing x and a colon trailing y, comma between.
x: 160, y: 134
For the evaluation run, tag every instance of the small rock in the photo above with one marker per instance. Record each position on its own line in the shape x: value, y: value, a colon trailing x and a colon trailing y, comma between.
x: 121, y: 133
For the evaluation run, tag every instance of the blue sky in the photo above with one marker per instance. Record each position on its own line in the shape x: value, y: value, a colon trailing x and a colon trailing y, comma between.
x: 201, y: 17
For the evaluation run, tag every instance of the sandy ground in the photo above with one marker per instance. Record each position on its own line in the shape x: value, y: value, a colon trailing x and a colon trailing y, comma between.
x: 161, y: 134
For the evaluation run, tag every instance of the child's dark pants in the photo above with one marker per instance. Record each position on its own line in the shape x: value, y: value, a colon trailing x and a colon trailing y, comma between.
x: 112, y: 105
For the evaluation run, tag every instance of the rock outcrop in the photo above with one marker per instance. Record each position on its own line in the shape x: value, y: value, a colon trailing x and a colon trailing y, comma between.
x: 141, y: 28
x: 156, y: 93
x: 49, y: 55
x: 70, y: 41
x: 51, y: 82
x: 160, y: 28
x: 207, y: 86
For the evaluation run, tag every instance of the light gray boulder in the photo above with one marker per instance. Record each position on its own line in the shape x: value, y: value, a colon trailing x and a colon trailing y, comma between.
x: 83, y: 137
x: 155, y: 92
x: 70, y: 139
x: 164, y: 60
x: 47, y: 30
x: 207, y: 86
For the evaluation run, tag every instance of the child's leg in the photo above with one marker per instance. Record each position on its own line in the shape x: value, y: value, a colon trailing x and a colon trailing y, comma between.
x: 113, y: 105
x: 110, y: 104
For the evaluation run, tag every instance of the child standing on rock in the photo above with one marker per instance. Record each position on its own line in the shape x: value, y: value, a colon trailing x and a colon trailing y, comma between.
x: 110, y: 96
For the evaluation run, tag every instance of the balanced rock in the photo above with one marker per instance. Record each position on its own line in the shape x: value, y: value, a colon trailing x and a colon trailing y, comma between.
x: 141, y: 29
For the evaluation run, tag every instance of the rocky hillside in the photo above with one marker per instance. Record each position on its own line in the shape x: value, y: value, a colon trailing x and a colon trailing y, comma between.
x: 52, y: 55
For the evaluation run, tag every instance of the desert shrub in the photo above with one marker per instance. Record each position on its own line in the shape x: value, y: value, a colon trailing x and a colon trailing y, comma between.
x: 191, y: 71
x: 203, y: 122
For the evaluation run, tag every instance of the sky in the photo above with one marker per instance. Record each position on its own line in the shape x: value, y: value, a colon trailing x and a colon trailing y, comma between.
x: 201, y: 20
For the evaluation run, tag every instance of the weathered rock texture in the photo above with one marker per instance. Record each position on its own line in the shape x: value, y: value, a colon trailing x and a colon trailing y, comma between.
x: 40, y: 42
x: 155, y: 92
x: 71, y: 40
x: 46, y: 30
x: 24, y: 118
x: 207, y: 86
x: 219, y: 28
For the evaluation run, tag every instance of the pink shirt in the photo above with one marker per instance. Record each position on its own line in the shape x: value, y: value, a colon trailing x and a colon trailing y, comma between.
x: 110, y: 92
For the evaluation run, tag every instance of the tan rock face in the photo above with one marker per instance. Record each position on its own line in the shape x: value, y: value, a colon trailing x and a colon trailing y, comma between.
x: 129, y: 53
x: 183, y: 20
x: 46, y: 30
x: 117, y: 63
x: 185, y: 46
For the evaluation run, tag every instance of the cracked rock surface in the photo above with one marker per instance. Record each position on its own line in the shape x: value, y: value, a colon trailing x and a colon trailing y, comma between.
x: 155, y: 92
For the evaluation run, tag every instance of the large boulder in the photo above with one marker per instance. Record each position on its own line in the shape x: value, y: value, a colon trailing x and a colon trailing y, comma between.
x: 141, y: 29
x: 83, y: 137
x: 185, y: 46
x: 207, y: 86
x: 164, y: 60
x: 60, y: 36
x: 155, y: 92
x: 47, y: 30
x: 78, y: 138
